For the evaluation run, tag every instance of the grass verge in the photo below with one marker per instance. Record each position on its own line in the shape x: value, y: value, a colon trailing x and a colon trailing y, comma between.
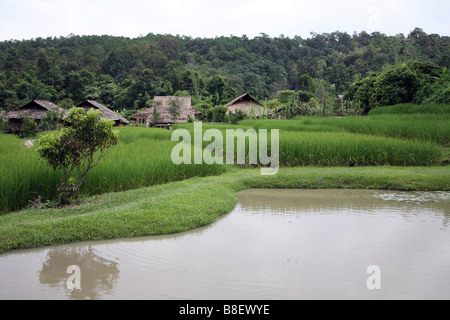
x: 181, y: 206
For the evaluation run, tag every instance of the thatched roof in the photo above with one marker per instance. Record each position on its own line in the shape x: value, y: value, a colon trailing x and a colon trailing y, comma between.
x: 165, y: 118
x: 107, y: 113
x: 247, y: 104
x: 36, y: 109
x: 244, y: 98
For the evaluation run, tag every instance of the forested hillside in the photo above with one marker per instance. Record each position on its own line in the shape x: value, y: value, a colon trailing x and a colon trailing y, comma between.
x: 125, y: 73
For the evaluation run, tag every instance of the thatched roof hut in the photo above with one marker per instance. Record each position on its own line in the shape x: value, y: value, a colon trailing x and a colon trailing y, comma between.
x: 247, y: 104
x: 107, y: 113
x: 164, y: 118
x: 36, y: 110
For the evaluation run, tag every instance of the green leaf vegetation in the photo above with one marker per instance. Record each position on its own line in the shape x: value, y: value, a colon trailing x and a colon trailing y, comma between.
x: 192, y: 203
x: 415, y: 81
x: 77, y: 148
x: 142, y: 156
x: 136, y: 190
x: 401, y: 84
x: 125, y: 74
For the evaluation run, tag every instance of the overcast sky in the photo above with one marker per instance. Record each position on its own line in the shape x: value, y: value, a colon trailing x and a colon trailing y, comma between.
x: 26, y: 19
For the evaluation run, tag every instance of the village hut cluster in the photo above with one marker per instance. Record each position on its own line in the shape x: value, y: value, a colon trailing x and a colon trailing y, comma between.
x: 38, y: 110
x: 159, y: 115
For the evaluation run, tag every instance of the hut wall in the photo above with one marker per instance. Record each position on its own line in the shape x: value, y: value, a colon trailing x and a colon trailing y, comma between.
x: 247, y: 107
x: 15, y: 125
x: 242, y: 105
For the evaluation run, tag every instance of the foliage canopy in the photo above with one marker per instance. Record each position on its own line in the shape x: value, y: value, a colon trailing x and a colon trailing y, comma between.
x: 125, y: 74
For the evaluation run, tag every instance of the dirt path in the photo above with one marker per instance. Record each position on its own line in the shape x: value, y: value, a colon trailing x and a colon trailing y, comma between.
x: 29, y: 143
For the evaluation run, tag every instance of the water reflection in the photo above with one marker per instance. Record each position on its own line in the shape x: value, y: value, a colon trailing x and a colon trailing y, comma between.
x: 98, y: 275
x: 329, y: 202
x: 276, y: 244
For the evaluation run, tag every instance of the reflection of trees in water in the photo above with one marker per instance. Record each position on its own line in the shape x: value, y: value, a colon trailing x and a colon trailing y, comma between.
x: 98, y: 275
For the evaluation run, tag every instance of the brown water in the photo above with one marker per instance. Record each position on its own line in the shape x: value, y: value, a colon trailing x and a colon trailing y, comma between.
x: 276, y: 244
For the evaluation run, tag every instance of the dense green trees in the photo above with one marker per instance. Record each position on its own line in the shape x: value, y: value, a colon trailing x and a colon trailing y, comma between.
x: 125, y: 74
x: 418, y: 82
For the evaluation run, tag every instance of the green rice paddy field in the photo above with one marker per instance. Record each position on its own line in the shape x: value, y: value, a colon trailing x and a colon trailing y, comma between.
x: 136, y: 190
x: 391, y: 136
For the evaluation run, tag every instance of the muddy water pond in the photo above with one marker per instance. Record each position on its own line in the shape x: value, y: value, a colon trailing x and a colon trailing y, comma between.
x: 276, y: 244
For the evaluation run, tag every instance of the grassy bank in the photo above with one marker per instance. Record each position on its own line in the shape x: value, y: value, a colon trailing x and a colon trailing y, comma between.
x: 192, y: 203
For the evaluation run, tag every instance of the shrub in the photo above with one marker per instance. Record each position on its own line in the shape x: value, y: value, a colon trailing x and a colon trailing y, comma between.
x: 77, y: 149
x: 395, y: 86
x: 303, y: 96
x: 3, y: 125
x: 217, y: 114
x: 239, y: 115
x: 29, y: 128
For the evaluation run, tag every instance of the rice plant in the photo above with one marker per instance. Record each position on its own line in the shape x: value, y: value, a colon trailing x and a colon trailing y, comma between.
x: 410, y: 108
x: 142, y: 158
x: 418, y: 123
x: 23, y: 176
x: 300, y: 146
x: 425, y: 127
x: 347, y: 149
